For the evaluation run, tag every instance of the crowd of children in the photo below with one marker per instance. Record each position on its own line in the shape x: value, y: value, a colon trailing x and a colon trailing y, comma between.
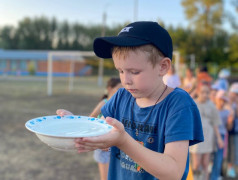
x: 217, y: 102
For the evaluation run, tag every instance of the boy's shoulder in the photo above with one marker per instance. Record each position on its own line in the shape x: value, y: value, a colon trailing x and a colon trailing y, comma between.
x: 179, y: 98
x: 179, y: 93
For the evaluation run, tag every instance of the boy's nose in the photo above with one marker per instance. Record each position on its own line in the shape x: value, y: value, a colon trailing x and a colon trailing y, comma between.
x: 127, y: 79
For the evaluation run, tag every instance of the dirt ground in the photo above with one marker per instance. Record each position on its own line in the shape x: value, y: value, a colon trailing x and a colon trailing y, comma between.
x: 22, y: 155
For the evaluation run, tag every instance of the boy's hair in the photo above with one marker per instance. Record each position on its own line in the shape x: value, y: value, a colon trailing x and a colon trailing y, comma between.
x: 133, y: 35
x: 154, y: 55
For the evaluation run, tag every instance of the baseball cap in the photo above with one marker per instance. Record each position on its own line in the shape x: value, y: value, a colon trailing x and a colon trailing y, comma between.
x: 136, y: 34
x: 221, y: 94
x: 224, y: 73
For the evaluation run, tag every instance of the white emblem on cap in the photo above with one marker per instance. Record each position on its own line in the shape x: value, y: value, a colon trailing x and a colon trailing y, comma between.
x: 126, y: 29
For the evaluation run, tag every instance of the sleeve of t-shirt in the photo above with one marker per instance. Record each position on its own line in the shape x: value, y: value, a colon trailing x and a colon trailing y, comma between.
x: 184, y: 124
x: 109, y: 109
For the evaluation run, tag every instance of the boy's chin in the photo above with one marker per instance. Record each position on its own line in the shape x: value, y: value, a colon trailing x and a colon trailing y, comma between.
x: 137, y: 96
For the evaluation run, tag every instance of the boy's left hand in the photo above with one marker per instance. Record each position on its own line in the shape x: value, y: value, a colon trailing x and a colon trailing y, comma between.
x: 116, y: 137
x: 63, y: 112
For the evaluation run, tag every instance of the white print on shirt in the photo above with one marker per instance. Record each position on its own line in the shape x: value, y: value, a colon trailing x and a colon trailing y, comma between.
x: 132, y: 166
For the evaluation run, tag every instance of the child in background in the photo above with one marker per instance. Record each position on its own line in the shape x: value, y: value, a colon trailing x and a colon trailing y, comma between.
x: 210, y: 122
x: 225, y: 115
x: 233, y: 132
x: 213, y: 92
x: 171, y: 79
x: 152, y: 129
x: 189, y: 81
x: 103, y: 156
x: 222, y: 81
x: 201, y: 76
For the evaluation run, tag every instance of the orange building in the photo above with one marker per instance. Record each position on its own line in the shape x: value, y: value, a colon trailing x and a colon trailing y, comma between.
x: 32, y: 62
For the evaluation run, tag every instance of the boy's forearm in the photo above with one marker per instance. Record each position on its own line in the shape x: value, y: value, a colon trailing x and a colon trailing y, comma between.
x: 158, y: 164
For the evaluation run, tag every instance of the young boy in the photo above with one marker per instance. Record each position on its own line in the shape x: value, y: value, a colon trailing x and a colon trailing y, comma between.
x: 153, y: 124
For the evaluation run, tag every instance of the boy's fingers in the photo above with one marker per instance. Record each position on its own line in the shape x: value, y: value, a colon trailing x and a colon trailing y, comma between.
x: 85, y: 147
x: 88, y: 144
x: 81, y: 151
x: 63, y: 112
x: 115, y: 123
x: 97, y: 140
x: 58, y: 111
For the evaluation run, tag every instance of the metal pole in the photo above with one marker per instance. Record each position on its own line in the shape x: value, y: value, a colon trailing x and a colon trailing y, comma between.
x: 49, y: 75
x: 101, y: 61
x: 71, y: 75
x: 135, y: 10
x: 176, y: 63
x: 192, y: 61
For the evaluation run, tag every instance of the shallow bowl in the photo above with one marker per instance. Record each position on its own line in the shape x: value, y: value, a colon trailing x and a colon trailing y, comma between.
x: 59, y: 132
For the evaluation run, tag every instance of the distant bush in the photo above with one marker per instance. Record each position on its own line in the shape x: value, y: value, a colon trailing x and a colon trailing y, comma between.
x: 31, y: 68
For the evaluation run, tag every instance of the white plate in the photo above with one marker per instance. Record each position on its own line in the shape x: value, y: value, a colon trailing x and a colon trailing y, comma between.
x: 60, y: 132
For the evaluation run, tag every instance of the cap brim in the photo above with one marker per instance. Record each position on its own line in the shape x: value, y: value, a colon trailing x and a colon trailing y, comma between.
x: 103, y: 46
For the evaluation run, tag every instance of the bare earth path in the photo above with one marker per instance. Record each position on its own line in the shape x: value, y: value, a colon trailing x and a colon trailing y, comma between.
x: 22, y: 155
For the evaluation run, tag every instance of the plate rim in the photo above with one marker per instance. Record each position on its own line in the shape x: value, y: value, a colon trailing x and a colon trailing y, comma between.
x: 87, y: 118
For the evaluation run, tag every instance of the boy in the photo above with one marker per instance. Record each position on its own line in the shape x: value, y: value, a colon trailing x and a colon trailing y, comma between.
x: 153, y: 124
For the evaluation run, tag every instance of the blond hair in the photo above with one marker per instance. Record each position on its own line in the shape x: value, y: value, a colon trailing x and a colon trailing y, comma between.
x: 154, y: 55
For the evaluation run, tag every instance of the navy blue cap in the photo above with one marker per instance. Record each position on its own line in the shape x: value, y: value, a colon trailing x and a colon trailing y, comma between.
x: 136, y: 34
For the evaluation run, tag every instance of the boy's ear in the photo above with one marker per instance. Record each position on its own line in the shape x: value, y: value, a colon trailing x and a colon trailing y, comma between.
x: 164, y: 66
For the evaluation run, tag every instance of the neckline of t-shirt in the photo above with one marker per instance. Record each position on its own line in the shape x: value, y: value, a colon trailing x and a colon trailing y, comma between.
x: 157, y: 105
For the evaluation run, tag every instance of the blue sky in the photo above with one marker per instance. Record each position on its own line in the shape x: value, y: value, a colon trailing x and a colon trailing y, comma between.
x: 90, y: 11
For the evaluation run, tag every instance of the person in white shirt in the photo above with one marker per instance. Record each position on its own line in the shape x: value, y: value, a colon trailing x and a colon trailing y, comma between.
x: 171, y: 79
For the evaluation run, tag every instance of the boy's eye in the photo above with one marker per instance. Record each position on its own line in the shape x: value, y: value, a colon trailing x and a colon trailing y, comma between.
x: 135, y: 72
x: 120, y: 71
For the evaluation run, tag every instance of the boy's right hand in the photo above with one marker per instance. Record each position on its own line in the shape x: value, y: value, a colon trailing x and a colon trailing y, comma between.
x: 116, y: 137
x: 63, y: 112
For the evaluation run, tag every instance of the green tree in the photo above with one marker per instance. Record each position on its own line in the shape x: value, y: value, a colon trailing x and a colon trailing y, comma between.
x: 64, y: 35
x: 8, y: 39
x: 205, y: 15
x: 78, y: 31
x: 60, y: 45
x: 233, y: 50
x: 34, y: 33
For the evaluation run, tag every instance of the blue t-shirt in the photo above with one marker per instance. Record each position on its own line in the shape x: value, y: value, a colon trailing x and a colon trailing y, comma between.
x: 176, y: 118
x: 224, y: 114
x: 222, y: 84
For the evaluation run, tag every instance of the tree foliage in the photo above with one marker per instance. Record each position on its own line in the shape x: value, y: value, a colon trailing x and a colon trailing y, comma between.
x: 42, y: 33
x: 207, y: 40
x: 205, y: 15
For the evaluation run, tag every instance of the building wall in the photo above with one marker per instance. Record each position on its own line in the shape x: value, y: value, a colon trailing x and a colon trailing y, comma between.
x: 30, y: 67
x: 60, y: 66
